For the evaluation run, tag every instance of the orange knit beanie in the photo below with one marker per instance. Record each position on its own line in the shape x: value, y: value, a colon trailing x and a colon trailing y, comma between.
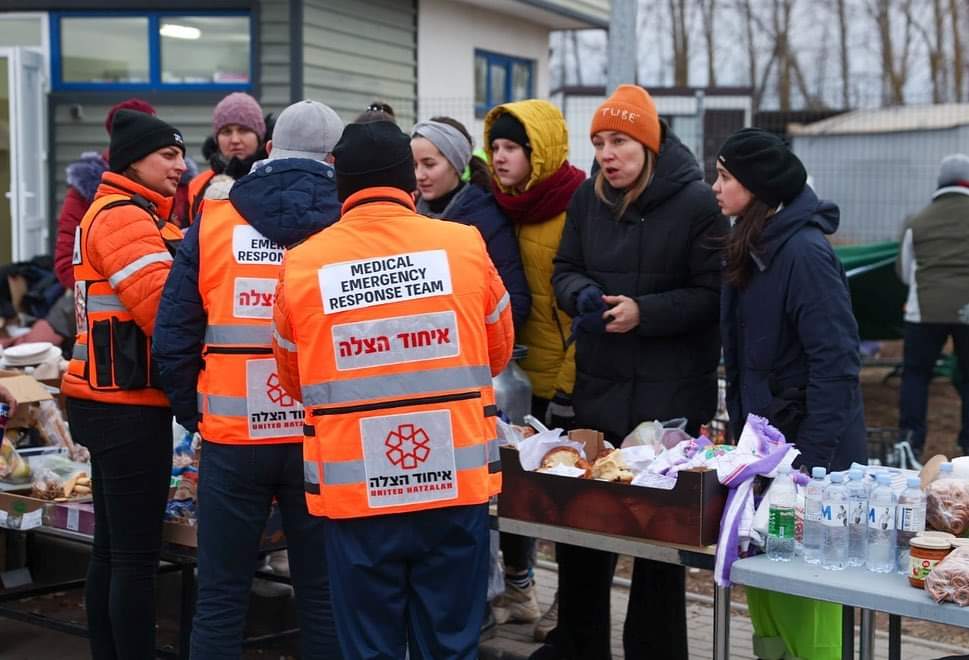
x: 629, y: 110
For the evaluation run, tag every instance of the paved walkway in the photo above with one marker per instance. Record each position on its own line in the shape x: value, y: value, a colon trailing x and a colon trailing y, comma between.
x: 515, y: 641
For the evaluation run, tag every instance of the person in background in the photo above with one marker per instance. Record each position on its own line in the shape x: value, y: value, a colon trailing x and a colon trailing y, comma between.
x: 638, y: 267
x: 790, y: 347
x: 212, y: 343
x: 400, y: 456
x: 115, y: 409
x: 933, y: 261
x: 239, y: 130
x: 83, y: 178
x: 527, y: 144
x: 376, y: 111
x: 442, y: 152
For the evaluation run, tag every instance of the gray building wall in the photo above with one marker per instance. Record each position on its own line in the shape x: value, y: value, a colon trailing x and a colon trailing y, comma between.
x: 357, y: 52
x: 877, y: 179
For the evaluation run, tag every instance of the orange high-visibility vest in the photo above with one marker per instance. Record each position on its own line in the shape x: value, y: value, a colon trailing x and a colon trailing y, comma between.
x: 196, y: 193
x: 111, y: 360
x: 392, y: 316
x: 240, y: 398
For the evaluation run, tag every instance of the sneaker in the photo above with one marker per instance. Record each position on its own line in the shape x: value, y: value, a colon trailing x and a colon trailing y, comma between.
x: 516, y: 605
x: 548, y: 621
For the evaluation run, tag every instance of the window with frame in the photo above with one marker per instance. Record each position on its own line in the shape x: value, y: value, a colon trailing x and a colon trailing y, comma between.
x: 155, y: 50
x: 500, y: 79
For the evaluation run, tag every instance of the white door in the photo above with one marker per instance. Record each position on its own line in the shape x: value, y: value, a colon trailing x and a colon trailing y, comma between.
x: 28, y: 152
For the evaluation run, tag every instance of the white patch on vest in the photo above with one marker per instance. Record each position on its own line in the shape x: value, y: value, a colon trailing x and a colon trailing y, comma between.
x: 409, y: 458
x: 368, y: 282
x: 253, y: 298
x: 271, y: 411
x: 76, y: 257
x: 80, y: 305
x: 395, y: 340
x: 251, y: 247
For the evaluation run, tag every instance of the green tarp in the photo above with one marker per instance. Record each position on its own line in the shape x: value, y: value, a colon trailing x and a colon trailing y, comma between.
x: 877, y: 295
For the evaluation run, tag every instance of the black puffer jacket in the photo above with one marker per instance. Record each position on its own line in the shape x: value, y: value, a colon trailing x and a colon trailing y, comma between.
x: 665, y: 253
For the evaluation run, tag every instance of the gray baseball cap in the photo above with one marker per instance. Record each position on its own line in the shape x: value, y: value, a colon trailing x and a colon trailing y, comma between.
x: 954, y: 171
x: 306, y: 129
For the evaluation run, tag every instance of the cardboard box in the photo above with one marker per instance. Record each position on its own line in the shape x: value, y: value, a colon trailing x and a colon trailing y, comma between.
x: 187, y: 535
x: 29, y: 511
x: 72, y: 516
x: 689, y: 514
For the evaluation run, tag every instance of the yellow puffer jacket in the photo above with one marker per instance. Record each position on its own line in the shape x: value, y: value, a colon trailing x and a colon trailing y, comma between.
x: 549, y: 365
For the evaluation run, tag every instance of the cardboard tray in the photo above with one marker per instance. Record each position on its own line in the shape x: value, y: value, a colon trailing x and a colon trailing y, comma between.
x: 689, y: 514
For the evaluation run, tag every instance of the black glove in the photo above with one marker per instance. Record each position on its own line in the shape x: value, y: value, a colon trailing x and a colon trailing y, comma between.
x: 560, y: 413
x: 591, y: 307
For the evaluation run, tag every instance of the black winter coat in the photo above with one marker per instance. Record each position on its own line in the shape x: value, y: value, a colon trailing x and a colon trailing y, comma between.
x: 791, y: 328
x: 664, y: 252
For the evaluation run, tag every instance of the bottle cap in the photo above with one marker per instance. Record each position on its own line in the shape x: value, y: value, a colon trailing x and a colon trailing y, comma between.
x: 837, y: 477
x: 818, y: 472
x: 855, y: 474
x: 883, y: 479
x: 930, y: 542
x: 913, y: 482
x: 945, y: 467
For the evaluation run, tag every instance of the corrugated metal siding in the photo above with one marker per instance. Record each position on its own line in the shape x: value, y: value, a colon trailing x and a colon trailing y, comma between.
x: 73, y: 136
x: 274, y: 55
x: 355, y: 52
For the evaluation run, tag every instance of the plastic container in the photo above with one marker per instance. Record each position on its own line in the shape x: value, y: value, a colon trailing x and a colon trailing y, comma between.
x: 813, y: 528
x: 857, y: 517
x: 780, y: 528
x: 925, y: 552
x: 881, y: 527
x: 834, y: 518
x: 909, y: 520
x: 513, y: 390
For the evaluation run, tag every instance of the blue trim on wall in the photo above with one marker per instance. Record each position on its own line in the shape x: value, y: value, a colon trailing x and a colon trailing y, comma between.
x: 154, y: 54
x: 507, y: 62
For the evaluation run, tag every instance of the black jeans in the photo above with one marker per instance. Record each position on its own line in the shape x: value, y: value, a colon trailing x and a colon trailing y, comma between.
x: 923, y: 345
x: 131, y: 462
x: 655, y: 624
x: 237, y: 485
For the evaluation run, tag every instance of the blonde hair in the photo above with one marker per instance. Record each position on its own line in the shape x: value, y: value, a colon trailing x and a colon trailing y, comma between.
x: 634, y: 191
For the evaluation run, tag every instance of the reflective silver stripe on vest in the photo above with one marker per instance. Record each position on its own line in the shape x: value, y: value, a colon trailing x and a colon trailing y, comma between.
x: 282, y: 342
x: 407, y: 384
x: 239, y: 335
x: 200, y: 401
x: 227, y: 406
x: 499, y: 308
x: 80, y: 352
x: 353, y: 472
x: 136, y: 265
x: 105, y: 303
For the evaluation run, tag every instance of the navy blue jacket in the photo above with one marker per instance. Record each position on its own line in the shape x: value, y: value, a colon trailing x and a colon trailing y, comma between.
x: 791, y: 329
x: 473, y: 205
x: 285, y: 200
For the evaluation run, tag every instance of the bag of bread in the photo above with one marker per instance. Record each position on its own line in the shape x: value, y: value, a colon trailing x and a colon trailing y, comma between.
x: 13, y: 468
x: 947, y: 505
x: 949, y: 580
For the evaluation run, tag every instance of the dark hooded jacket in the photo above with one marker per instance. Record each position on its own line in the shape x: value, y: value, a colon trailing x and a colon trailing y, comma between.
x: 790, y: 336
x: 475, y: 206
x: 285, y: 200
x: 664, y: 252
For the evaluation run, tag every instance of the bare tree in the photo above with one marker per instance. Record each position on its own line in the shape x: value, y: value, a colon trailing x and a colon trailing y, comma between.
x: 934, y: 38
x: 577, y: 56
x: 958, y: 56
x: 679, y: 11
x: 708, y: 12
x: 843, y: 41
x: 894, y: 58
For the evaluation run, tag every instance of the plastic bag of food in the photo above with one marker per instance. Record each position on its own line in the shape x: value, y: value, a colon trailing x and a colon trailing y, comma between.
x: 949, y: 580
x: 48, y: 485
x: 13, y: 468
x: 947, y: 505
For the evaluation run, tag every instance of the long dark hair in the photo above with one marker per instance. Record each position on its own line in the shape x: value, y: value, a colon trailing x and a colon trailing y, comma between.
x: 480, y: 175
x: 743, y: 242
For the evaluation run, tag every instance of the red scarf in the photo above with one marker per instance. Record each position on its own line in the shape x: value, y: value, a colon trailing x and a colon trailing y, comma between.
x: 545, y: 200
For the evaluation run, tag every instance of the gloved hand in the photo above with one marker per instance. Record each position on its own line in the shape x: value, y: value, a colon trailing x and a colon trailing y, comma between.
x: 560, y: 413
x: 591, y: 307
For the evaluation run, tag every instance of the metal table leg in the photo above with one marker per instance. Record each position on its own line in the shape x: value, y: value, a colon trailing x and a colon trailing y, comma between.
x: 867, y: 643
x: 894, y: 637
x: 186, y: 611
x: 847, y: 633
x: 721, y: 623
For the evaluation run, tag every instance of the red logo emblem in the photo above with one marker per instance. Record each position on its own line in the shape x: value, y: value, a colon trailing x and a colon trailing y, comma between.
x: 407, y: 446
x: 276, y: 393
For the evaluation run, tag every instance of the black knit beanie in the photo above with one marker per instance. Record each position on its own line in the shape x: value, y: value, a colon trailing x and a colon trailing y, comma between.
x: 370, y: 155
x: 764, y: 165
x: 506, y: 126
x: 134, y: 135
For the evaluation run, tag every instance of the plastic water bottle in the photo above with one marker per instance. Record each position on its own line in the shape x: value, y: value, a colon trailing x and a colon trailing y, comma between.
x: 909, y: 520
x: 945, y: 472
x: 881, y: 527
x: 780, y: 529
x: 813, y: 528
x: 834, y: 518
x: 857, y: 517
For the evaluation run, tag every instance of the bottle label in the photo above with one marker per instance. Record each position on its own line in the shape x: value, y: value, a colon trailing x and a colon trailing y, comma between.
x: 910, y: 519
x: 857, y: 513
x: 920, y: 567
x: 834, y: 514
x: 881, y: 517
x: 812, y: 510
x: 781, y: 523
